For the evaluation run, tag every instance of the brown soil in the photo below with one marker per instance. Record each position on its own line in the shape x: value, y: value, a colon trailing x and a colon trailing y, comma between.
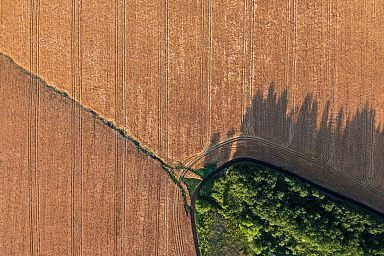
x: 71, y: 184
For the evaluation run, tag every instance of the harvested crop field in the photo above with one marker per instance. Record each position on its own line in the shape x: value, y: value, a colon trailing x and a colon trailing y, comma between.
x: 174, y: 73
x: 298, y: 85
x: 70, y: 184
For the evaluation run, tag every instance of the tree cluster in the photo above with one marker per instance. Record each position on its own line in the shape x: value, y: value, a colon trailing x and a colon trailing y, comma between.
x: 255, y: 210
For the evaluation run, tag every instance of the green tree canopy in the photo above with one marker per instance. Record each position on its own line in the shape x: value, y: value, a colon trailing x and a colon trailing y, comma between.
x: 255, y: 210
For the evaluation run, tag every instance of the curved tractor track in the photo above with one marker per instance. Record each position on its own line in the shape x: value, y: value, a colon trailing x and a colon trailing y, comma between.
x: 281, y: 157
x: 313, y: 169
x: 316, y: 171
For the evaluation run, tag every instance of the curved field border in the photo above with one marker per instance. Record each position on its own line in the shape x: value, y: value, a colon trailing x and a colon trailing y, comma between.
x: 286, y: 160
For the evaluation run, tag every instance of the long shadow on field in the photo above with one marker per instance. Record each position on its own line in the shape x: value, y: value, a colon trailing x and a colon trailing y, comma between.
x: 349, y: 143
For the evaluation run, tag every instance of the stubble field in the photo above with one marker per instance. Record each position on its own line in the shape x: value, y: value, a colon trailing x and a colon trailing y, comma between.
x: 297, y: 84
x: 72, y: 185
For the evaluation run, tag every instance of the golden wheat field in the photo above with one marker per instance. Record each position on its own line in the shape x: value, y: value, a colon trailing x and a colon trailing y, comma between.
x: 100, y: 100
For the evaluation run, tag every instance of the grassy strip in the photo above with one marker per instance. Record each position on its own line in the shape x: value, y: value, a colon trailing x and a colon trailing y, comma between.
x: 107, y: 122
x: 165, y: 166
x: 168, y: 170
x: 205, y: 171
x: 191, y: 184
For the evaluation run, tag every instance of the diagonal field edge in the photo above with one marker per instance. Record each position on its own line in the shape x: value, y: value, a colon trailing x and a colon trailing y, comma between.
x: 111, y: 124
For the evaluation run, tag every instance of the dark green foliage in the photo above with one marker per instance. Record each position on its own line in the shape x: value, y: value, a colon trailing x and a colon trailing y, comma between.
x: 110, y: 124
x: 191, y: 184
x: 254, y: 210
x: 205, y: 171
